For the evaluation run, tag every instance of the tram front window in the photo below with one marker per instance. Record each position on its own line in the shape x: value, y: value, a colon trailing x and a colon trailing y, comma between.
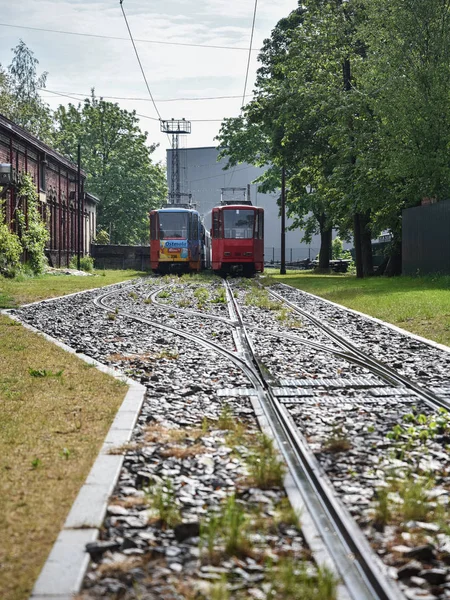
x: 238, y: 223
x: 173, y: 226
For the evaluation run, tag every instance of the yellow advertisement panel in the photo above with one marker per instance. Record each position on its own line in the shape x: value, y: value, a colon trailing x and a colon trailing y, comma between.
x: 173, y: 250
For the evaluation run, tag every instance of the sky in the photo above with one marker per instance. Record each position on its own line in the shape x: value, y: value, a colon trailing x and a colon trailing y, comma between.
x: 75, y: 64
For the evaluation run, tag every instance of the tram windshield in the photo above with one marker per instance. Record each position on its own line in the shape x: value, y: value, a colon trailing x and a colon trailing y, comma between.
x: 173, y: 225
x: 238, y: 223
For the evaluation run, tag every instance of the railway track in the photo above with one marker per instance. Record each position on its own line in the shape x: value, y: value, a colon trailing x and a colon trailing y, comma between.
x: 353, y: 353
x: 300, y: 375
x: 360, y: 569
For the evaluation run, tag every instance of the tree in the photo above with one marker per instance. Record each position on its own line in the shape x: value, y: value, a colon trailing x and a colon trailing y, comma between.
x: 406, y: 78
x: 263, y: 135
x: 118, y: 165
x: 19, y: 94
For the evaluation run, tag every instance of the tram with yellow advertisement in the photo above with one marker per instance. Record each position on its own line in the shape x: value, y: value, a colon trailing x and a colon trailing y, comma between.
x: 177, y: 240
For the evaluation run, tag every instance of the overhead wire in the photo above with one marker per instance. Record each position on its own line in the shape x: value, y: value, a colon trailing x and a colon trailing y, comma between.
x: 139, y: 60
x: 191, y: 99
x: 111, y: 37
x: 247, y: 70
x: 137, y: 114
x: 250, y: 51
x: 72, y: 96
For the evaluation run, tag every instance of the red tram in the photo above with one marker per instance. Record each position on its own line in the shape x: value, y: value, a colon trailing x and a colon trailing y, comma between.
x: 237, y: 239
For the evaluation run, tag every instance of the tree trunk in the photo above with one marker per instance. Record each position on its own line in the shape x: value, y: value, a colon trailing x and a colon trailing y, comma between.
x: 394, y: 266
x: 358, y: 246
x: 366, y: 244
x: 326, y: 232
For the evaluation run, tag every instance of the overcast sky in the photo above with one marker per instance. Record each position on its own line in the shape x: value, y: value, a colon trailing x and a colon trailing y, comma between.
x: 75, y: 64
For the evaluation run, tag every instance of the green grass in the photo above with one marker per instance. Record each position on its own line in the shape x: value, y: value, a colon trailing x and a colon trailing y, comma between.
x: 22, y: 290
x: 55, y: 411
x: 419, y: 304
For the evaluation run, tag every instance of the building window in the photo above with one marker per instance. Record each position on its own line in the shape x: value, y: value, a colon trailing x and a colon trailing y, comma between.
x: 42, y: 172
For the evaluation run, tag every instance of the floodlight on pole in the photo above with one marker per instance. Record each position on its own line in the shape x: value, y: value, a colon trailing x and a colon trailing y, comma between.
x: 175, y: 128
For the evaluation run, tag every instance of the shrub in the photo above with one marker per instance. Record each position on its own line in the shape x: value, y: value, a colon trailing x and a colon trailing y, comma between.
x: 86, y: 263
x: 33, y: 231
x: 10, y: 251
x: 102, y: 237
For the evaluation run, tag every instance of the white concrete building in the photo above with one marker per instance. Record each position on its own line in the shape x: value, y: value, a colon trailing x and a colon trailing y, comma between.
x: 204, y: 177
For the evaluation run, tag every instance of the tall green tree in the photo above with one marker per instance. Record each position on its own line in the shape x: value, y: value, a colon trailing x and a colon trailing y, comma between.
x: 19, y: 94
x: 406, y: 78
x: 118, y: 163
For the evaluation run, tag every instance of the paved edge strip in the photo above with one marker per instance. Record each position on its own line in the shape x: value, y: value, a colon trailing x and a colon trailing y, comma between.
x: 62, y: 574
x: 414, y: 336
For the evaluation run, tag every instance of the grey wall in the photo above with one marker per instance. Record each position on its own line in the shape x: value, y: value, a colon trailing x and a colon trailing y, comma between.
x: 203, y: 176
x: 121, y: 257
x: 426, y: 239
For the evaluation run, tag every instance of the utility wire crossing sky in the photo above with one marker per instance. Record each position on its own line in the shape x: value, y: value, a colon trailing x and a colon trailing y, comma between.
x: 190, y: 50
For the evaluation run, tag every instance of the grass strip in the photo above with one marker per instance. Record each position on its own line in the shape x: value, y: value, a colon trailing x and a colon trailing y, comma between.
x: 22, y: 289
x: 52, y: 429
x: 420, y: 305
x: 55, y: 411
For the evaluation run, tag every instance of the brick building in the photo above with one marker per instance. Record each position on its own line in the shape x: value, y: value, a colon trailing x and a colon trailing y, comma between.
x: 55, y: 178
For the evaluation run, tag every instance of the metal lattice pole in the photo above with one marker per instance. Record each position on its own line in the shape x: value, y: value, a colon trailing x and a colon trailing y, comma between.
x: 176, y: 128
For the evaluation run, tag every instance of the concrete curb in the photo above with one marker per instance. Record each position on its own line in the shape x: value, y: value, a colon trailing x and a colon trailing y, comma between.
x: 414, y: 336
x: 63, y: 572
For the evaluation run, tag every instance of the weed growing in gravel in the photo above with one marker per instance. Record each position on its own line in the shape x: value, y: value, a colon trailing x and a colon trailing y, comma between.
x: 181, y: 452
x: 209, y: 534
x: 417, y: 428
x: 414, y: 493
x: 157, y: 433
x: 184, y: 303
x: 220, y: 296
x: 168, y: 354
x: 133, y: 295
x: 265, y: 467
x: 111, y: 316
x: 289, y: 579
x: 148, y: 301
x: 234, y: 528
x: 202, y: 295
x: 337, y: 442
x: 286, y: 515
x: 406, y: 500
x: 260, y: 298
x: 227, y: 529
x: 35, y: 463
x: 382, y: 514
x: 164, y: 294
x: 226, y: 419
x: 163, y: 502
x: 284, y: 314
x: 219, y: 590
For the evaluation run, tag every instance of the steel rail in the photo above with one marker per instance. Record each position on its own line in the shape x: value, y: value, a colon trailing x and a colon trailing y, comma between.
x: 153, y: 298
x: 240, y: 362
x: 371, y: 363
x: 316, y: 345
x: 360, y: 568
